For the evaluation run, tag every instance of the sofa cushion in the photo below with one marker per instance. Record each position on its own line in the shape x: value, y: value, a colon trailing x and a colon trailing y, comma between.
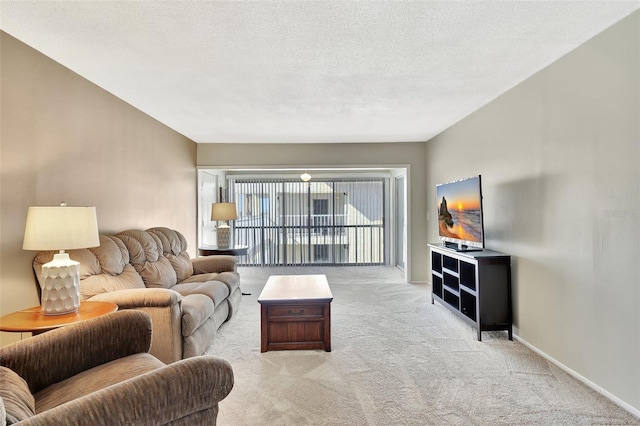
x: 146, y: 256
x: 3, y: 413
x: 111, y: 254
x: 197, y: 343
x: 196, y: 309
x: 102, y: 269
x: 18, y: 402
x: 174, y: 248
x: 114, y: 273
x: 231, y: 279
x: 93, y: 285
x: 215, y: 290
x: 95, y: 379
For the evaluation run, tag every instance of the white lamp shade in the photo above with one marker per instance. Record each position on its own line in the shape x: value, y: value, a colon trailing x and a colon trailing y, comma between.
x: 224, y: 211
x: 61, y: 228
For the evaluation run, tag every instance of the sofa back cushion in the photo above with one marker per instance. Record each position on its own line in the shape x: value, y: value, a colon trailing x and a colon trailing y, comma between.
x: 146, y: 255
x: 174, y: 248
x: 102, y: 269
x: 17, y: 399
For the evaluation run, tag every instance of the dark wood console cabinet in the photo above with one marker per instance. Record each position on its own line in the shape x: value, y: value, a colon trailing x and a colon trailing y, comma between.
x: 475, y: 285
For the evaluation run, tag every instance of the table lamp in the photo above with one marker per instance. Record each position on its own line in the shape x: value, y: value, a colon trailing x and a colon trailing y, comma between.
x: 223, y: 212
x: 60, y: 228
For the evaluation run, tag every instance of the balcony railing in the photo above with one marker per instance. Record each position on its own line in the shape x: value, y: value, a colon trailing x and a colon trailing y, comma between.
x: 309, y: 239
x: 326, y: 221
x: 316, y: 224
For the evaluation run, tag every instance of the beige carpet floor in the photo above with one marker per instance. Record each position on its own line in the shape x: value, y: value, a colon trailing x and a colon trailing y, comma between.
x: 396, y: 360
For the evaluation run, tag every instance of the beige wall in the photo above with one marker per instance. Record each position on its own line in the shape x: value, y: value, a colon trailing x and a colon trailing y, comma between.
x: 560, y: 161
x: 389, y: 155
x: 63, y: 138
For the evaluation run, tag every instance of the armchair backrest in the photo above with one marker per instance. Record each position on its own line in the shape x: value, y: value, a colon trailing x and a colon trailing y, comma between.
x: 58, y: 354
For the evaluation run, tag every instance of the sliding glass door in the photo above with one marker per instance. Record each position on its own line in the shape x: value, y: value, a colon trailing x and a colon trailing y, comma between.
x: 290, y: 222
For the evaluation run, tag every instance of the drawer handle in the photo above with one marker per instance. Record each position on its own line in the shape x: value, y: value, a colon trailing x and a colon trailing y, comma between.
x: 299, y: 312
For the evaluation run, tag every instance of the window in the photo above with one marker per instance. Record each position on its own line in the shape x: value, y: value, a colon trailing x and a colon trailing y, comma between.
x: 290, y: 222
x: 321, y: 253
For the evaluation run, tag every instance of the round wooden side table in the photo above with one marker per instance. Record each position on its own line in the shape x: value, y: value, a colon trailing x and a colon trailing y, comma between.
x: 209, y: 250
x: 33, y: 320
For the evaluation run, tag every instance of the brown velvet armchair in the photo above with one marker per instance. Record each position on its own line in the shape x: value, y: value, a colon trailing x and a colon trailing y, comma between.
x: 100, y: 372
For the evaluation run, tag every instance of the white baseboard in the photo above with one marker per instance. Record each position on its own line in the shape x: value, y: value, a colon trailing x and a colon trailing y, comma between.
x: 631, y: 409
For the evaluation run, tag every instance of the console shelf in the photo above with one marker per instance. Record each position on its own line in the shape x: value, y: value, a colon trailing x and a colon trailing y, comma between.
x: 474, y: 285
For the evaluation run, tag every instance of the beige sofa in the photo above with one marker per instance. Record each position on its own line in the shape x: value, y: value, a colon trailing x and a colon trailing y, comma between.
x: 99, y: 372
x: 187, y: 299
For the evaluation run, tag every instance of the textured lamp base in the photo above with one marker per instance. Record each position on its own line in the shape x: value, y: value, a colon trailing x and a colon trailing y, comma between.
x: 223, y: 236
x: 60, y: 285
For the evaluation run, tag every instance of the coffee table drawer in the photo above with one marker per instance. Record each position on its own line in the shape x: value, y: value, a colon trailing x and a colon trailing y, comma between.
x: 295, y: 311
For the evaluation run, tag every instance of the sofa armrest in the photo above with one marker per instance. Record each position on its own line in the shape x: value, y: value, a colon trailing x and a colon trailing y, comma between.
x: 164, y: 307
x: 62, y: 353
x: 140, y: 298
x: 208, y: 264
x: 173, y: 393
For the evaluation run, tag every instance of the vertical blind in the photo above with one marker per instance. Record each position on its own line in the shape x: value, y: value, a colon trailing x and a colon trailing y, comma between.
x: 329, y: 222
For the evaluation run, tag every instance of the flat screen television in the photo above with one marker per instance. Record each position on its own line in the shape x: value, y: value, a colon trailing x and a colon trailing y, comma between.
x: 460, y: 222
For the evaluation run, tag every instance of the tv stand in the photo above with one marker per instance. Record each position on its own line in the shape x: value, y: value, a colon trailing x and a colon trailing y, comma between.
x: 475, y: 286
x: 459, y: 247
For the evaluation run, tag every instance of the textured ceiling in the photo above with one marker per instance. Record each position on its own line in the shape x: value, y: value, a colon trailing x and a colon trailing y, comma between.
x: 308, y: 71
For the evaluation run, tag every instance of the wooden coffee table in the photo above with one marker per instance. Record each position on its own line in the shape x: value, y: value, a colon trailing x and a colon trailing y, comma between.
x: 295, y: 313
x: 33, y: 320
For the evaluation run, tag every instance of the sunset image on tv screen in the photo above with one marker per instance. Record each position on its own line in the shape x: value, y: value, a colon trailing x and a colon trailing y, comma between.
x: 459, y: 210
